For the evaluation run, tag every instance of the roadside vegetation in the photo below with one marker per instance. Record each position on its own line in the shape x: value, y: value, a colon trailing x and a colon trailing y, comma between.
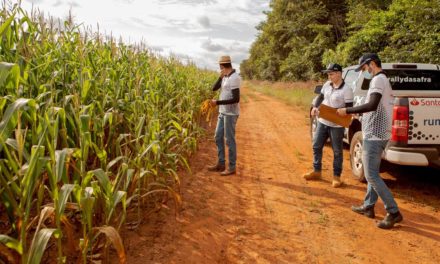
x: 92, y: 134
x: 298, y: 94
x: 299, y: 37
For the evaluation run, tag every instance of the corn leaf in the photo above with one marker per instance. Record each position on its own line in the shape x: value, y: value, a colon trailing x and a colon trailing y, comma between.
x: 103, y: 180
x: 11, y: 243
x: 64, y: 195
x: 112, y: 235
x: 60, y: 163
x: 6, y: 24
x: 9, y: 120
x: 38, y: 246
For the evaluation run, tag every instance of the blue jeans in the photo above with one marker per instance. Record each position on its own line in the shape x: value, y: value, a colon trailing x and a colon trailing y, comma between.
x: 322, y: 133
x: 226, y: 129
x: 371, y: 158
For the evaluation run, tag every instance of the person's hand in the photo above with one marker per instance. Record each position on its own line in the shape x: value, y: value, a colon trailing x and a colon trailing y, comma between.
x: 213, y: 103
x: 222, y: 73
x: 314, y: 111
x: 342, y: 111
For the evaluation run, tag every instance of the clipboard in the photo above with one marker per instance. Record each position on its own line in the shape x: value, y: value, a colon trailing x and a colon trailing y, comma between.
x: 329, y: 113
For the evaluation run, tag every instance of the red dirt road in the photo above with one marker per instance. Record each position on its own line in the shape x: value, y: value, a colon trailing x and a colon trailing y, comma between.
x: 268, y: 214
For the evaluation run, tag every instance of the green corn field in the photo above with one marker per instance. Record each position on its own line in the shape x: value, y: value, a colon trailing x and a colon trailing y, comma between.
x: 92, y: 132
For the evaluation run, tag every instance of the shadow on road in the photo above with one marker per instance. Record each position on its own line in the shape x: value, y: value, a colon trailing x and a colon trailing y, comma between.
x: 415, y: 184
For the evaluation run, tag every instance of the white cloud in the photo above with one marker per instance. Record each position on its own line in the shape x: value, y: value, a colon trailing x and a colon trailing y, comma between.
x: 213, y: 47
x: 200, y: 29
x: 36, y: 1
x: 73, y: 4
x: 58, y: 3
x: 204, y: 21
x: 190, y: 2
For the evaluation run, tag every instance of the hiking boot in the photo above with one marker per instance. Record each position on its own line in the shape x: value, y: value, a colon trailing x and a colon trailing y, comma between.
x: 314, y: 175
x: 227, y: 172
x: 217, y: 167
x: 389, y: 220
x: 367, y: 211
x: 336, y: 183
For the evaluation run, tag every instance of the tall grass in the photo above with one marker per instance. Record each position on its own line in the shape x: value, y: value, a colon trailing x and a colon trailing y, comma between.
x: 90, y: 128
x: 294, y: 93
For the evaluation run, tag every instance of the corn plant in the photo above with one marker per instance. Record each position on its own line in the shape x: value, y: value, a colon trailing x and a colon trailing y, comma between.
x: 90, y: 128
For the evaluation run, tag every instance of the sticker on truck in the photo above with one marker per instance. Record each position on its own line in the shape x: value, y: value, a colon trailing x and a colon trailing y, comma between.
x: 424, y: 121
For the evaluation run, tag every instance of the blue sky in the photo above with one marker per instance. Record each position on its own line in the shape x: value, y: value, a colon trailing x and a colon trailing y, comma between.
x: 199, y: 29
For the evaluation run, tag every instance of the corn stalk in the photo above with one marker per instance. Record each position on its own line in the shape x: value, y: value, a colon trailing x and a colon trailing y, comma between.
x: 91, y: 127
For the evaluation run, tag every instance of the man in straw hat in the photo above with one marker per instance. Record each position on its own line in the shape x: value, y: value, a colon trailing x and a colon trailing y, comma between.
x: 334, y: 93
x: 229, y: 110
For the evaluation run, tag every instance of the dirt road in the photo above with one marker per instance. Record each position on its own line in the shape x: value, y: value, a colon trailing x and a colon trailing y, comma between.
x: 268, y: 214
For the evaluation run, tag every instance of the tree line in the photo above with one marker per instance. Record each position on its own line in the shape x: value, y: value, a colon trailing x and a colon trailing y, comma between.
x: 299, y: 37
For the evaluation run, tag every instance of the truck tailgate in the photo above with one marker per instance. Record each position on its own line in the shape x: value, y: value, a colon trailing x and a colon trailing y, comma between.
x: 424, y: 121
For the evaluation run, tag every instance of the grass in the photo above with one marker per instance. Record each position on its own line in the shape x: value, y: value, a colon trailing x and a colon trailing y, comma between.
x: 244, y: 98
x: 298, y: 94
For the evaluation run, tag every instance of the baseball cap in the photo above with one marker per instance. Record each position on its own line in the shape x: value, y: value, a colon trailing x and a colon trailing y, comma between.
x: 332, y: 67
x: 366, y: 58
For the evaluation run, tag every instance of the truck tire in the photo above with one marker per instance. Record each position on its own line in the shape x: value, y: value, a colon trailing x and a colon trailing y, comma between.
x: 356, y: 157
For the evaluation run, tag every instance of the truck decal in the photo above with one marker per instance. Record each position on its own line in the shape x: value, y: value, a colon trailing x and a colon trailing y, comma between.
x: 431, y: 122
x: 398, y: 79
x: 424, y: 122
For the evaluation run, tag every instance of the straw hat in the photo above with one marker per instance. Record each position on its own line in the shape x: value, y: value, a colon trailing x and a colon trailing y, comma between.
x: 224, y: 60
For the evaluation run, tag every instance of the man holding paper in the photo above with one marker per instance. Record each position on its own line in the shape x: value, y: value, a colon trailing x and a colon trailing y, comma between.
x: 336, y: 94
x: 376, y: 131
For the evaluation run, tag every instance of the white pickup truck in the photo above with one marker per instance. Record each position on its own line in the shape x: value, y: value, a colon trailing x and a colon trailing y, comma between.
x: 415, y: 136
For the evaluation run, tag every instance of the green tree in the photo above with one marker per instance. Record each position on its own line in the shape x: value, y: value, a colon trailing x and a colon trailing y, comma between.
x: 294, y: 36
x: 416, y: 34
x: 408, y: 31
x: 300, y: 37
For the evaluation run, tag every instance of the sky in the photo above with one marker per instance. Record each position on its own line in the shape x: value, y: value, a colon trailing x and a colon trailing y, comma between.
x: 201, y: 30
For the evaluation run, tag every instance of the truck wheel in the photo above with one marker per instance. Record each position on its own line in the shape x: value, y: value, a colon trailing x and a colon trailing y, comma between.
x: 356, y: 156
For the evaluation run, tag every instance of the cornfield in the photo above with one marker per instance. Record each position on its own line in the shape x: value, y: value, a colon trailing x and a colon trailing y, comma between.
x: 92, y: 132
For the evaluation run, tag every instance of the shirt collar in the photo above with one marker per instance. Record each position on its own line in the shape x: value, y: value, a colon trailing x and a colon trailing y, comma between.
x: 381, y: 72
x: 232, y: 72
x: 340, y: 86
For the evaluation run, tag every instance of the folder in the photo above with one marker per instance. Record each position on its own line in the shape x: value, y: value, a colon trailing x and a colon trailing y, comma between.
x: 329, y: 113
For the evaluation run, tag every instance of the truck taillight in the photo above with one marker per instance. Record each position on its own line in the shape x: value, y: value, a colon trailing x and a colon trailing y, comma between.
x: 399, y: 132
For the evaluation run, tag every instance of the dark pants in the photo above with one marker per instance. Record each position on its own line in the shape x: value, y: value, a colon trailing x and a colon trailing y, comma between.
x: 336, y: 135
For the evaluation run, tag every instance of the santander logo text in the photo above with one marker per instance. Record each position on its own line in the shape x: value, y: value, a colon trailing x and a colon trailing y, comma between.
x: 430, y: 102
x: 425, y: 102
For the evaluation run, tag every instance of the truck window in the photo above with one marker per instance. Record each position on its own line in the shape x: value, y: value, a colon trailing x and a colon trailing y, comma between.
x: 350, y: 78
x: 403, y: 80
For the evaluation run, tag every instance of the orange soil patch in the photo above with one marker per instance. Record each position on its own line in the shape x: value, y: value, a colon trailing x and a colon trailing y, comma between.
x: 268, y: 214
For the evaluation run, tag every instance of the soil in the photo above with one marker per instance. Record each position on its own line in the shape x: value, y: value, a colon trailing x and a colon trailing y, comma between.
x: 268, y: 213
